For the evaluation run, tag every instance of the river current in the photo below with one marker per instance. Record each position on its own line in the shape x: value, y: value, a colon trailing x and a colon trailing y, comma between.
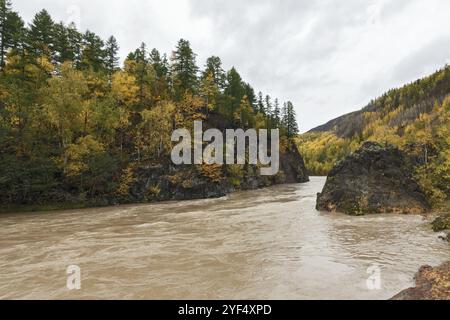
x: 263, y: 244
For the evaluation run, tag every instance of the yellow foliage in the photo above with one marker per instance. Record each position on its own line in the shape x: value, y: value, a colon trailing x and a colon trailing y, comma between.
x: 154, y: 132
x: 188, y: 110
x: 244, y: 114
x: 64, y: 103
x: 321, y: 151
x: 153, y: 191
x: 76, y: 154
x: 124, y: 88
x: 209, y: 91
x: 260, y: 121
x: 44, y: 64
x: 213, y: 172
x: 385, y: 135
x: 126, y: 180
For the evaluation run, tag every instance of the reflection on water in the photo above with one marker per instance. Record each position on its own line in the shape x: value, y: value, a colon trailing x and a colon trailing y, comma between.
x: 264, y: 244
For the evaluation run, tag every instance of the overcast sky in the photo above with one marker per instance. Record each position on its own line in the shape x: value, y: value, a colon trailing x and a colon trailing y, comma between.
x: 328, y: 57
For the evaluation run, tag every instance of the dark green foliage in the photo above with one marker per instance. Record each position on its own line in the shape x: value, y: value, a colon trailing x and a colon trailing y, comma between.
x: 289, y: 120
x: 160, y: 64
x: 12, y: 31
x: 276, y: 116
x: 5, y: 9
x: 260, y: 103
x: 234, y: 90
x: 41, y: 35
x: 93, y: 53
x: 214, y: 68
x: 184, y: 69
x: 250, y: 93
x: 111, y: 53
x: 142, y: 70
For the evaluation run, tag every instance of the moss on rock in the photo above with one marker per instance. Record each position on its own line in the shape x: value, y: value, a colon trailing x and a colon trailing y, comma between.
x: 441, y: 223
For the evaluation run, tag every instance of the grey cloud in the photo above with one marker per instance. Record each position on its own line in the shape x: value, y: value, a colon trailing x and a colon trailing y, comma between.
x: 427, y: 59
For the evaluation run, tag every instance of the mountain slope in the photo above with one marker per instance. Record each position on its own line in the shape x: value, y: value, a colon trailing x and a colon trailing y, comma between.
x: 408, y: 102
x: 415, y: 118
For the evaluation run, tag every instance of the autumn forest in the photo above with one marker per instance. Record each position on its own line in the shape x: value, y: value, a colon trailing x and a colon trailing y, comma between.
x: 75, y: 121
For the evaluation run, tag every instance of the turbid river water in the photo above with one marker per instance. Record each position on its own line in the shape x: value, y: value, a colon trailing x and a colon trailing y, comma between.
x: 264, y: 244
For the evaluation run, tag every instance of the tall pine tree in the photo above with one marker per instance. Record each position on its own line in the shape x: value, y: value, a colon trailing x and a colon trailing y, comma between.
x: 214, y: 69
x: 251, y: 97
x: 184, y: 69
x: 5, y: 8
x: 234, y: 90
x: 268, y: 106
x: 139, y: 65
x: 62, y: 46
x: 111, y: 53
x: 41, y: 35
x: 276, y: 113
x: 12, y: 31
x: 160, y: 63
x: 260, y: 103
x: 94, y: 53
x: 289, y: 119
x: 75, y: 42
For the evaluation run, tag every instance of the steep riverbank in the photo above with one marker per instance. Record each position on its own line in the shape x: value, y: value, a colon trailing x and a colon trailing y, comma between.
x: 169, y: 182
x: 164, y: 182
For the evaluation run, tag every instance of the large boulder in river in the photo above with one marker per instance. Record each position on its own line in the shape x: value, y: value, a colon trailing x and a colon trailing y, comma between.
x: 431, y: 284
x: 375, y: 179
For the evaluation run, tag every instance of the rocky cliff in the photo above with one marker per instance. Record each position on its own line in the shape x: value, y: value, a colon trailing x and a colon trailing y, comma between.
x: 375, y: 179
x: 170, y: 182
x: 165, y: 181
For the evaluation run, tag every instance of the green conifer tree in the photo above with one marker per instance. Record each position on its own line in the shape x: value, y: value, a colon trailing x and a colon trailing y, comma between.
x: 184, y: 69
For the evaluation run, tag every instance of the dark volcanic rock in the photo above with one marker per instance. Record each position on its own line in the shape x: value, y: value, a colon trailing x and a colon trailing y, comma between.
x: 375, y: 179
x: 187, y: 182
x: 169, y: 182
x: 293, y: 166
x: 431, y: 284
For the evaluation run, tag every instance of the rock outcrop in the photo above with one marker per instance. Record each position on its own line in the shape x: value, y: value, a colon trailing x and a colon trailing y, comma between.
x: 431, y: 284
x: 375, y: 179
x: 166, y: 181
x: 169, y: 182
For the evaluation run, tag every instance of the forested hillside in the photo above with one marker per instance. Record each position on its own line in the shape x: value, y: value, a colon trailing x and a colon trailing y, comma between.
x: 75, y: 122
x: 415, y: 118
